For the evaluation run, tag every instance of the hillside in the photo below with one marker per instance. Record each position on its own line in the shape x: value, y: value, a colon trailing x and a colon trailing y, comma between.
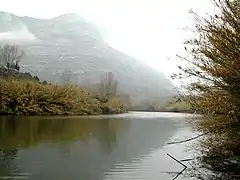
x: 68, y: 42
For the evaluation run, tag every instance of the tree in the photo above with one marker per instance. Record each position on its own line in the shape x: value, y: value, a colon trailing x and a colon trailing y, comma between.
x: 67, y: 76
x: 10, y: 56
x: 36, y: 78
x: 108, y: 85
x: 125, y: 99
x: 214, y: 60
x: 214, y: 68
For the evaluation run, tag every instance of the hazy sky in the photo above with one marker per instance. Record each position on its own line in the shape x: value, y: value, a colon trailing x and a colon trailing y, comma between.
x: 150, y: 30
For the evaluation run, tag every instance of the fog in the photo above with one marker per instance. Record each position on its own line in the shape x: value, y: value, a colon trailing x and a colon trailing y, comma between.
x: 150, y: 30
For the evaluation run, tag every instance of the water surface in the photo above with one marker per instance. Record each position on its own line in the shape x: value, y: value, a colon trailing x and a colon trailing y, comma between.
x: 128, y: 146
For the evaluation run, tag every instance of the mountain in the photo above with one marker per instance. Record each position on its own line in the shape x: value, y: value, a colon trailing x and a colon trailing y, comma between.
x: 68, y: 42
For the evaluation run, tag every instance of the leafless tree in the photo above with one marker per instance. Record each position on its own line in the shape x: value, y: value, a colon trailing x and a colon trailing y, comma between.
x: 66, y: 76
x: 10, y: 56
x: 108, y: 85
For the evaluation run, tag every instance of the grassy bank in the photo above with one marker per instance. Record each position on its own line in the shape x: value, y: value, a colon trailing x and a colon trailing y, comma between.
x: 181, y: 106
x: 25, y: 97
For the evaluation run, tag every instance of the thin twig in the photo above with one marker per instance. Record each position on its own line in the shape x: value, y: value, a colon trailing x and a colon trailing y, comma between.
x: 187, y: 140
x: 184, y: 160
x: 179, y: 173
x: 185, y: 167
x: 177, y: 160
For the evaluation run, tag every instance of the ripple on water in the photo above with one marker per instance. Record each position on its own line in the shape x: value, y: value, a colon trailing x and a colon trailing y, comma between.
x: 138, y: 133
x: 155, y: 165
x: 17, y: 176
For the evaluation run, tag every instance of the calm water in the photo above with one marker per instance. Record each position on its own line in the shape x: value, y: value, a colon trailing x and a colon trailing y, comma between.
x: 128, y: 146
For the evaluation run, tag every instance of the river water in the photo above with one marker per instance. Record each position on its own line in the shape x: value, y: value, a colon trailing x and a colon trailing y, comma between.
x: 115, y: 147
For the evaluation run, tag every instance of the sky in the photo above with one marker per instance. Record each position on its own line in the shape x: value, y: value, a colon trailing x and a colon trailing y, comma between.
x: 150, y: 30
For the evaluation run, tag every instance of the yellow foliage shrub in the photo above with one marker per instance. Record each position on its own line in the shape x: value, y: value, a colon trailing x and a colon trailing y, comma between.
x: 23, y: 97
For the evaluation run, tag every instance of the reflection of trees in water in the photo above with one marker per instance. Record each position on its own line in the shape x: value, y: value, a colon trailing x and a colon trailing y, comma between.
x: 107, y: 132
x: 107, y: 135
x: 64, y: 150
x: 24, y: 132
x: 7, y: 165
x: 9, y: 154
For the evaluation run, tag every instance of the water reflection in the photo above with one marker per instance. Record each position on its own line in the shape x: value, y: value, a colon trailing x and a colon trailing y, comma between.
x: 78, y: 148
x: 25, y: 132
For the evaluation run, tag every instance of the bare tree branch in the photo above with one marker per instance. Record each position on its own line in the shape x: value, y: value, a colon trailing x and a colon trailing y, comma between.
x: 185, y: 167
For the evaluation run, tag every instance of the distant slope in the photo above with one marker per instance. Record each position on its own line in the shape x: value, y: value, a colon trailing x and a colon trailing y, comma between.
x: 69, y: 42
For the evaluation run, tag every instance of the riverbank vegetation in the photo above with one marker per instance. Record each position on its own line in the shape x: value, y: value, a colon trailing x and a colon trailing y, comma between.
x: 25, y: 97
x: 178, y: 104
x: 22, y: 94
x: 214, y: 68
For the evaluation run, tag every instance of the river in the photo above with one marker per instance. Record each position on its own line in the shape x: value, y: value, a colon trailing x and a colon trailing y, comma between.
x: 114, y: 147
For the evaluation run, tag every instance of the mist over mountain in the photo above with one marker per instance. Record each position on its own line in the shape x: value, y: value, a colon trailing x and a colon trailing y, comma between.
x: 68, y: 42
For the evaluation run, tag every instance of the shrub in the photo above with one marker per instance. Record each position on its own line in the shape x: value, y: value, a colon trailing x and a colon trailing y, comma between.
x: 113, y: 106
x: 213, y: 64
x: 23, y: 97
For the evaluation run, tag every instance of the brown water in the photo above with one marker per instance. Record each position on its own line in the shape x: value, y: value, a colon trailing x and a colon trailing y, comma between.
x: 128, y: 146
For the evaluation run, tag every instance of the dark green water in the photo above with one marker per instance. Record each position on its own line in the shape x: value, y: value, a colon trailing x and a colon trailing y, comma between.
x: 129, y: 146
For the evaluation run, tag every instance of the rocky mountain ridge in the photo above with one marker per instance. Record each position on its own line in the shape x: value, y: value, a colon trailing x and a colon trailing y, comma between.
x: 68, y: 42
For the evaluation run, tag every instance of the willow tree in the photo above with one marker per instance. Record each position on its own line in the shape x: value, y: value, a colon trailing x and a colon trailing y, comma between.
x: 213, y: 64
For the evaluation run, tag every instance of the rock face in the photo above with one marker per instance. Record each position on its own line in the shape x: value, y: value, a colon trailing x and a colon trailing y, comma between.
x: 68, y: 42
